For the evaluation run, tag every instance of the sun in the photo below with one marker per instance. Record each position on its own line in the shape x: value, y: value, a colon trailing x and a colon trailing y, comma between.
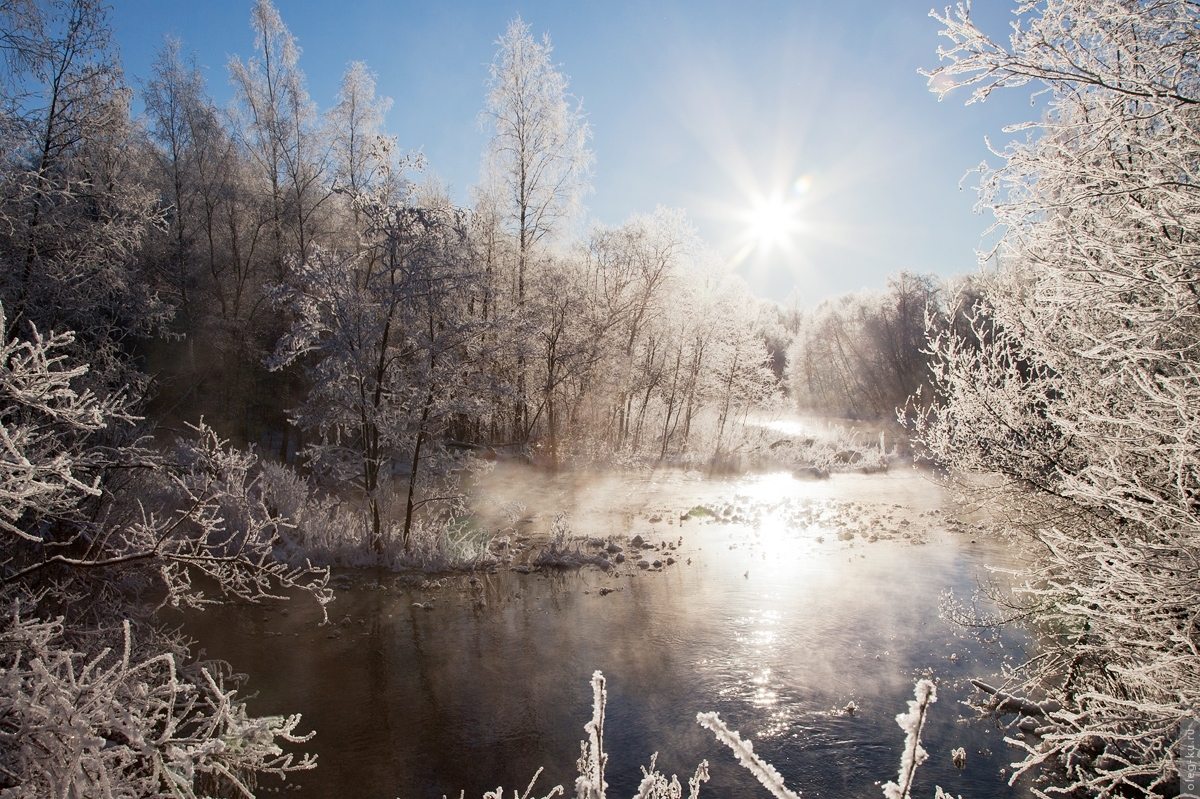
x: 772, y: 222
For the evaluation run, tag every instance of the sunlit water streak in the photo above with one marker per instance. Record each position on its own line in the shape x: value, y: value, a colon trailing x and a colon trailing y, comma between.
x: 776, y: 622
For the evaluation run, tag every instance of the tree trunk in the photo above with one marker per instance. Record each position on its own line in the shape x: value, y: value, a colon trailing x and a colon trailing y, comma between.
x: 412, y: 477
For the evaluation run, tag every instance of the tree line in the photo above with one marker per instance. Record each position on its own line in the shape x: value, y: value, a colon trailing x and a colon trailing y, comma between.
x: 290, y: 276
x: 190, y: 249
x: 866, y: 355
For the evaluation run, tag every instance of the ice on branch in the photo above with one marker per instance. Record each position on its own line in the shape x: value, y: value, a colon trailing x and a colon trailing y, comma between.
x: 557, y: 790
x: 655, y: 785
x: 122, y: 725
x: 590, y: 784
x: 43, y: 414
x: 914, y: 754
x: 771, y: 779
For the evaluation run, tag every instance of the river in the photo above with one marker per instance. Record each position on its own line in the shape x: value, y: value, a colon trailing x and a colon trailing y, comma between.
x: 793, y: 600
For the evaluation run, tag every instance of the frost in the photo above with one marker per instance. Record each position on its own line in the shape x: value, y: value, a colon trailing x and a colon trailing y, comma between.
x: 592, y: 760
x: 1074, y: 375
x: 914, y: 754
x: 115, y: 724
x: 744, y: 751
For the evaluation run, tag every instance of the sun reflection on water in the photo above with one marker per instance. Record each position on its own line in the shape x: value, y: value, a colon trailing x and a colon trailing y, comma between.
x: 770, y: 487
x: 764, y: 695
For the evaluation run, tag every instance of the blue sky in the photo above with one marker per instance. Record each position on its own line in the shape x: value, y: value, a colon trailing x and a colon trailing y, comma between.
x: 705, y: 106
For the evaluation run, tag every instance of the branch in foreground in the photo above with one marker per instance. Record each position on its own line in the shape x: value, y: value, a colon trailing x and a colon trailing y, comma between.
x: 771, y: 779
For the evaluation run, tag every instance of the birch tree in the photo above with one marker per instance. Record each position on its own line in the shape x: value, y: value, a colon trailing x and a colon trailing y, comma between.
x: 187, y: 128
x: 361, y: 154
x: 278, y: 125
x: 279, y: 128
x: 537, y: 164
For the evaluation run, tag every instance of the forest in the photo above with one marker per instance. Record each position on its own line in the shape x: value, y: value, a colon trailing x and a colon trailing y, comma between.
x: 243, y: 345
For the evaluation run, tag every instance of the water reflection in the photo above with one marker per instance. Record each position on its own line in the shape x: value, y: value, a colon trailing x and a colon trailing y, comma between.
x: 783, y: 615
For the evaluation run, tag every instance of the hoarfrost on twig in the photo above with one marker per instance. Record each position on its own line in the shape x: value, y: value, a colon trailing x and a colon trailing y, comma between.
x: 771, y: 779
x: 590, y: 784
x: 914, y: 755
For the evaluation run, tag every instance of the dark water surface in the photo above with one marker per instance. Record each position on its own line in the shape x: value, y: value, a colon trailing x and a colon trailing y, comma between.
x: 777, y: 622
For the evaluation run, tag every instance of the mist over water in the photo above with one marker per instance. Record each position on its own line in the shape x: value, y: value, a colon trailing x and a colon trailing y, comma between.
x: 769, y: 616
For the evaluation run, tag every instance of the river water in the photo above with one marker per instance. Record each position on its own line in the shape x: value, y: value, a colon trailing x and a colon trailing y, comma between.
x: 792, y: 600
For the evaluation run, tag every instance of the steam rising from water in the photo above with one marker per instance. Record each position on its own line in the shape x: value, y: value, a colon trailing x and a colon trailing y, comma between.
x: 779, y: 613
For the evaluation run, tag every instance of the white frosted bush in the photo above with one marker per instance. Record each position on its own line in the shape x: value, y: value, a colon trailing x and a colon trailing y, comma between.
x: 114, y: 724
x: 330, y: 532
x: 110, y: 521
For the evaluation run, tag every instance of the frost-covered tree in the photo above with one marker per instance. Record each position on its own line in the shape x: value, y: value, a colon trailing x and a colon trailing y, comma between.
x: 186, y: 126
x: 638, y: 272
x: 1081, y: 380
x: 536, y: 165
x: 863, y: 354
x: 212, y: 257
x: 394, y: 354
x: 361, y: 154
x: 567, y: 335
x: 74, y: 207
x: 677, y: 338
x: 278, y: 124
x: 590, y: 311
x: 537, y: 162
x: 740, y: 377
x: 281, y: 132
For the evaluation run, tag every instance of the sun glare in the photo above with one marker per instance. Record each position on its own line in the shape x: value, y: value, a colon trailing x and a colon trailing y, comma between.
x: 772, y: 223
x: 775, y: 221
